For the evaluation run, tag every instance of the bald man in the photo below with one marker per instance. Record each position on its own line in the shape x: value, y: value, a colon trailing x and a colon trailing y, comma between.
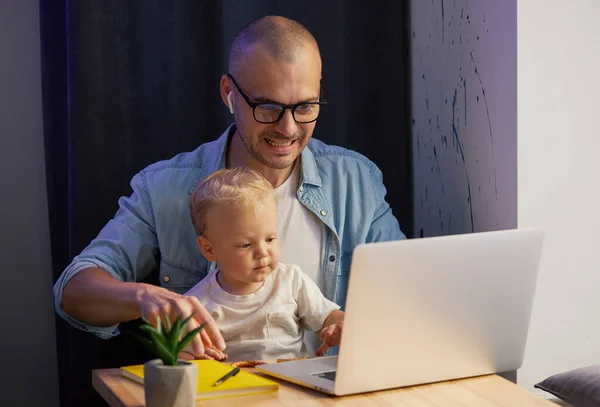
x: 330, y: 198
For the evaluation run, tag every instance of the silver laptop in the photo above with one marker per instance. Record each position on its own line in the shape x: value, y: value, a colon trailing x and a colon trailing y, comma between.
x: 427, y: 310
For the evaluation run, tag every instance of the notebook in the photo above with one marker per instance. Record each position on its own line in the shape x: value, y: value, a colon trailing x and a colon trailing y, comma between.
x: 209, y: 371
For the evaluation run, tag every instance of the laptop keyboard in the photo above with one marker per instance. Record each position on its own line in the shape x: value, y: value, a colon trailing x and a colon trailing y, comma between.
x: 326, y: 375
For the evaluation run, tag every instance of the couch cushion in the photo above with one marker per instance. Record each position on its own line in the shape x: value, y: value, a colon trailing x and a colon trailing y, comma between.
x: 580, y: 387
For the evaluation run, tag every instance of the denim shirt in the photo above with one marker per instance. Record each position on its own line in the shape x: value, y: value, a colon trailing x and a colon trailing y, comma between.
x: 152, y: 228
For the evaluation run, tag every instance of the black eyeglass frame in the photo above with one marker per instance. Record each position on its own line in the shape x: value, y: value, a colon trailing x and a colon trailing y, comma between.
x: 293, y: 108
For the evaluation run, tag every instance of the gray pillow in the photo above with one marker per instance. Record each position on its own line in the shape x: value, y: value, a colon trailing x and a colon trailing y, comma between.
x: 580, y: 387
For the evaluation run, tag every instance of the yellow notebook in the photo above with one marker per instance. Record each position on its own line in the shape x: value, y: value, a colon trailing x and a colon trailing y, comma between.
x: 209, y: 371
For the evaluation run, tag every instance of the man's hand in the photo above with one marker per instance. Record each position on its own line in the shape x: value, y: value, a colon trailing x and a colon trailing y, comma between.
x: 331, y: 335
x: 210, y: 353
x: 156, y: 301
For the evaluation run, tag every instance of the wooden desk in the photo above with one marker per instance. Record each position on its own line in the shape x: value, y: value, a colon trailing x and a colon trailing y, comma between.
x: 483, y: 391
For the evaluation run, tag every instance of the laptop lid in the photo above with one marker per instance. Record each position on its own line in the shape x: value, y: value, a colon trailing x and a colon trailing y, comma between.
x: 432, y: 309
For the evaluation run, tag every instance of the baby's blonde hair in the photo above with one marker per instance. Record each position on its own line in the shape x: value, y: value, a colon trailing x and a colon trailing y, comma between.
x: 239, y: 186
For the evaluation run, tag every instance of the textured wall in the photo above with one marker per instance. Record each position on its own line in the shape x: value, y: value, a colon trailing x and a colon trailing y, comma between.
x: 464, y: 100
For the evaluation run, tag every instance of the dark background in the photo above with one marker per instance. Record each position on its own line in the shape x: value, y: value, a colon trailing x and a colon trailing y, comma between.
x: 128, y: 83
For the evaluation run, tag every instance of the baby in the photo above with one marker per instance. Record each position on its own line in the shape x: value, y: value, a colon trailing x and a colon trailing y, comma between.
x: 261, y: 306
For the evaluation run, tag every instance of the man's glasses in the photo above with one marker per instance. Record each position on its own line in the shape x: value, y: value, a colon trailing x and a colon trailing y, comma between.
x: 272, y: 112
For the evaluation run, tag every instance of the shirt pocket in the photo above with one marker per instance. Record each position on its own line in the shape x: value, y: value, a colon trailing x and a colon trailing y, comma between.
x: 248, y: 329
x: 178, y: 278
x: 283, y: 323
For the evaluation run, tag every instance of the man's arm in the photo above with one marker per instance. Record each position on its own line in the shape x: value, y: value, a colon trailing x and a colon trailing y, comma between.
x: 100, y: 288
x: 384, y: 226
x: 95, y: 297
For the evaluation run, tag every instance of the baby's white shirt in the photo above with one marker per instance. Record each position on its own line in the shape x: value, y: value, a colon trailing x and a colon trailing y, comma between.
x: 270, y: 323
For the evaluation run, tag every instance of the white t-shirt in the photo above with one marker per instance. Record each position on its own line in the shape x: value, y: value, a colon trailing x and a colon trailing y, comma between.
x: 270, y: 323
x: 300, y: 238
x: 300, y: 231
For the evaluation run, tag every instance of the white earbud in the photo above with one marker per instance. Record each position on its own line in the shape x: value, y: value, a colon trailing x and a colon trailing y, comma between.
x: 230, y: 102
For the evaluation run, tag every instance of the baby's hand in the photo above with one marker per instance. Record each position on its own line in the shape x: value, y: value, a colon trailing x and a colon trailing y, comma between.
x: 330, y: 336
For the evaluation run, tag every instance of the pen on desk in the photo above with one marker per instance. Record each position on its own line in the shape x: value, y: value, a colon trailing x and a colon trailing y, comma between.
x: 227, y: 376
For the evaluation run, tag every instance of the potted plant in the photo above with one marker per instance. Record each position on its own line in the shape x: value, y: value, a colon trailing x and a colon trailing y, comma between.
x: 169, y: 381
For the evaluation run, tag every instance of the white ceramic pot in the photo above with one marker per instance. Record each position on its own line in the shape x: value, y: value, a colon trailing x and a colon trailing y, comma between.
x: 170, y: 386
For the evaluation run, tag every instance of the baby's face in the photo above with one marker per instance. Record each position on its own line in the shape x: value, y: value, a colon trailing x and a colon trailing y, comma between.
x: 245, y: 243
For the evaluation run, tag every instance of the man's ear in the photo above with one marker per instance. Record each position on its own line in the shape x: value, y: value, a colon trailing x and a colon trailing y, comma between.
x: 226, y: 87
x: 206, y: 248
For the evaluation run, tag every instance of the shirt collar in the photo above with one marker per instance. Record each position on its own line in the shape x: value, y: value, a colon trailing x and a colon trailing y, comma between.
x: 310, y: 172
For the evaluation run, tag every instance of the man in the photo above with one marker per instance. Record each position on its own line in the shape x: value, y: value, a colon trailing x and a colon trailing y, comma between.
x: 331, y: 199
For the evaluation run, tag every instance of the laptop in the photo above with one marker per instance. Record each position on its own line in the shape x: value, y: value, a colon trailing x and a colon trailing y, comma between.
x: 427, y: 310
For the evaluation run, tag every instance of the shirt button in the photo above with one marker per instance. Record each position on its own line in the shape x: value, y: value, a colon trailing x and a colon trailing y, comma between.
x: 301, y: 189
x: 166, y: 279
x: 323, y: 213
x: 332, y: 258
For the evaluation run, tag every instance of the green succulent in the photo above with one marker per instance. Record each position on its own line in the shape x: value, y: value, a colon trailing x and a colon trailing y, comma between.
x: 166, y: 340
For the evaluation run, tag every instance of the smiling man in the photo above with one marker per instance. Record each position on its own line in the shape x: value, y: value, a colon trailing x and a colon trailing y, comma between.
x: 330, y: 198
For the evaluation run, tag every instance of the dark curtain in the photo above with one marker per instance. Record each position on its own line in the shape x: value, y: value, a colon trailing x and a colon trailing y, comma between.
x: 128, y: 83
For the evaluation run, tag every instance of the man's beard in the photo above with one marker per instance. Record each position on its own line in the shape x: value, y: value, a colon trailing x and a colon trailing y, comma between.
x: 256, y: 153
